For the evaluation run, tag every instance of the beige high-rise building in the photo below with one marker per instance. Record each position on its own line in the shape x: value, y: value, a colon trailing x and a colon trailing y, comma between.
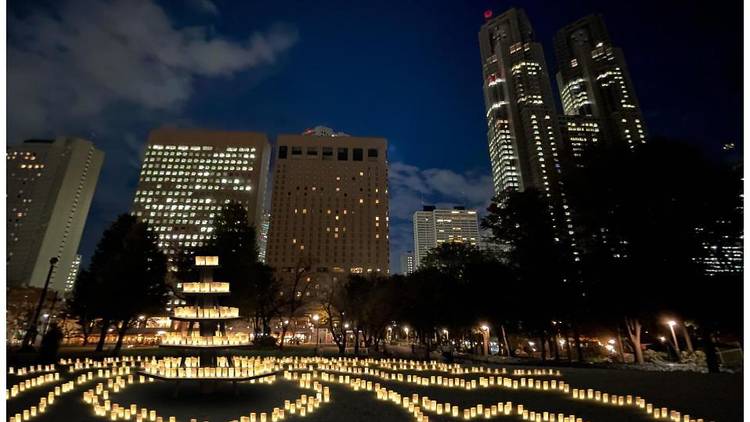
x: 329, y: 208
x: 189, y: 174
x: 50, y: 185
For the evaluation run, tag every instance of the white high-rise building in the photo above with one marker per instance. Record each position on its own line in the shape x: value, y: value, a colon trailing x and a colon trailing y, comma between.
x: 432, y: 227
x: 50, y: 185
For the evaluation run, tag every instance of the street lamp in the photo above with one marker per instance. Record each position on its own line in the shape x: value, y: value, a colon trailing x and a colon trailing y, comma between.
x: 32, y: 332
x: 315, y: 318
x: 406, y: 330
x: 671, y: 324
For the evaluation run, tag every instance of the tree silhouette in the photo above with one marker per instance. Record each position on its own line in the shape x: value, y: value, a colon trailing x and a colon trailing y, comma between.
x: 640, y: 216
x: 128, y: 269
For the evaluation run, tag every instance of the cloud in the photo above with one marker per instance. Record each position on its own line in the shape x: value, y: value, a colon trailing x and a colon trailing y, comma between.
x: 204, y: 6
x: 410, y: 187
x: 69, y: 65
x: 111, y: 70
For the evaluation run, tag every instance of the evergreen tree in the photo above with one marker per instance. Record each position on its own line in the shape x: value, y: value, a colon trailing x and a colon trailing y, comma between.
x: 128, y: 269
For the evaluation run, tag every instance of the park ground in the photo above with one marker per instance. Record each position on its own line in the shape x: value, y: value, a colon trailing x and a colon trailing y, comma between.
x: 713, y: 397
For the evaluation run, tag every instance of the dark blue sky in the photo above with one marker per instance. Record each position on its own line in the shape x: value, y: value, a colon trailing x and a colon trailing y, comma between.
x: 408, y: 71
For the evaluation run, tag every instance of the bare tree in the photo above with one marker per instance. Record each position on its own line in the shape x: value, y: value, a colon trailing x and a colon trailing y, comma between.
x: 295, y: 293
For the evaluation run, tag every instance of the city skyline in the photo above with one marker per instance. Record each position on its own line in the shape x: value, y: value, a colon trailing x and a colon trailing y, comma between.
x: 414, y: 174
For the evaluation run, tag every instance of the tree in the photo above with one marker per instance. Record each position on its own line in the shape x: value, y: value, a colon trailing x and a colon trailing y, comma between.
x: 640, y: 216
x: 540, y: 254
x: 264, y: 298
x: 83, y: 302
x: 294, y: 293
x: 234, y: 242
x: 128, y: 269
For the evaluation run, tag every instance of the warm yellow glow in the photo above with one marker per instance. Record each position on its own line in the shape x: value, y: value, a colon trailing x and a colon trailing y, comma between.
x: 206, y: 261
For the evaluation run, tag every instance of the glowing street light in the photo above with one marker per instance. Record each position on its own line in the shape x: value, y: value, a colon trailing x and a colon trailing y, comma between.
x: 315, y: 318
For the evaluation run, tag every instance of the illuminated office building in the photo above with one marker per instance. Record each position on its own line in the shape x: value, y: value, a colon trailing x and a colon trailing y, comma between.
x: 329, y: 207
x: 50, y: 185
x: 433, y: 227
x: 594, y: 81
x: 189, y: 174
x: 524, y: 139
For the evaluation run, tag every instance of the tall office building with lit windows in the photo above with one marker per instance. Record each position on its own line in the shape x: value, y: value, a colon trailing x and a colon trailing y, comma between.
x: 50, y: 185
x: 433, y: 227
x: 189, y: 174
x: 522, y: 130
x: 526, y: 145
x: 329, y: 207
x: 594, y: 82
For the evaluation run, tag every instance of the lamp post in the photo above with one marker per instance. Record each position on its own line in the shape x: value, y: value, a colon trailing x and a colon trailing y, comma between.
x: 485, y: 339
x: 315, y: 318
x: 671, y: 324
x: 32, y: 332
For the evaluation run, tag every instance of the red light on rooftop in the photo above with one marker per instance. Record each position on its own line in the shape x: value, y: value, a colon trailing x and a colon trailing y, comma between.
x: 487, y: 14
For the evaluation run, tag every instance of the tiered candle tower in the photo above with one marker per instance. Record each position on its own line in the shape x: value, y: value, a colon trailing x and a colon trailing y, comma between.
x: 206, y: 336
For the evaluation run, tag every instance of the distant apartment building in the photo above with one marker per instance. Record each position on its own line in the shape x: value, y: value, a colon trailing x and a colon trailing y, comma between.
x: 50, y: 185
x: 189, y: 174
x: 433, y: 227
x: 329, y: 207
x: 407, y: 263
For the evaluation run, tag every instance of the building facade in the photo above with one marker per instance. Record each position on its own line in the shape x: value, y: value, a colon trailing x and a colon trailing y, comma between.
x: 407, y: 263
x: 189, y: 174
x: 75, y: 268
x: 50, y: 185
x: 594, y: 81
x: 523, y: 135
x: 433, y: 227
x: 329, y: 207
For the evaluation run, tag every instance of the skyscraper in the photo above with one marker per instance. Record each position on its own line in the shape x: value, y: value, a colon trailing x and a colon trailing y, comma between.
x: 594, y: 81
x: 189, y: 174
x: 50, y: 185
x: 329, y: 207
x: 433, y: 227
x: 522, y: 130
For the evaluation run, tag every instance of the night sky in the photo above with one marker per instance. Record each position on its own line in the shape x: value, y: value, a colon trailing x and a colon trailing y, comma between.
x: 408, y: 71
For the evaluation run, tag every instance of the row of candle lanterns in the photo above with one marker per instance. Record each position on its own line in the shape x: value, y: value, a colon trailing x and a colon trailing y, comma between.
x: 196, y: 340
x: 206, y: 287
x: 22, y: 386
x: 213, y: 312
x: 31, y: 370
x: 116, y: 365
x: 99, y: 399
